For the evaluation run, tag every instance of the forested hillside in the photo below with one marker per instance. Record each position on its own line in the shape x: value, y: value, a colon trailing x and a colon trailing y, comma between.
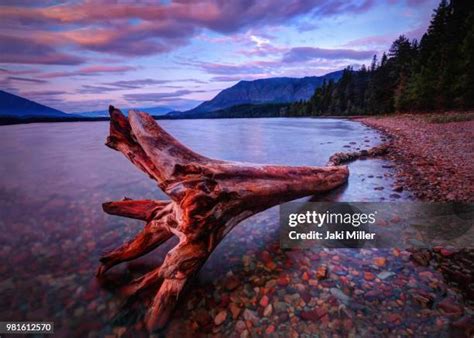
x: 436, y: 73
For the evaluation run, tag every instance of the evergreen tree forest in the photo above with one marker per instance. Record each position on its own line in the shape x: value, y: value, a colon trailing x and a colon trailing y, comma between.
x: 433, y: 74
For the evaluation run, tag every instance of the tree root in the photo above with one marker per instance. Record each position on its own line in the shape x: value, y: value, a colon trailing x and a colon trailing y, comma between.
x: 208, y: 198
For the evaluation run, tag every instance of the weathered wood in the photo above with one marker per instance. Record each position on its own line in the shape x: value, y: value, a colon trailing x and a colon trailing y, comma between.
x: 208, y: 198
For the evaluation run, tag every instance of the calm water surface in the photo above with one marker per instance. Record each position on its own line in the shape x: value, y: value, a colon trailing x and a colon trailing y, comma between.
x: 54, y: 178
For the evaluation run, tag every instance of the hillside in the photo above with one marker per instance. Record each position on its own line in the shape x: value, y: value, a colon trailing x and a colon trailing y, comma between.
x: 272, y: 90
x: 14, y: 106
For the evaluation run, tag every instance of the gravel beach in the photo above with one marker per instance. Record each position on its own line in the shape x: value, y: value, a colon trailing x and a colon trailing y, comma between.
x: 434, y: 159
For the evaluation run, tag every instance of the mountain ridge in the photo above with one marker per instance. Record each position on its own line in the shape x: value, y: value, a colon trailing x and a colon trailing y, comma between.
x: 263, y: 91
x: 12, y: 105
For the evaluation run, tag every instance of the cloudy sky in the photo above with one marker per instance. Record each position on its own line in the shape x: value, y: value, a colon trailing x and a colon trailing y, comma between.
x: 83, y: 55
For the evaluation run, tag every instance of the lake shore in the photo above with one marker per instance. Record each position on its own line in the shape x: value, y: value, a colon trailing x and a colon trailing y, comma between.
x: 434, y: 160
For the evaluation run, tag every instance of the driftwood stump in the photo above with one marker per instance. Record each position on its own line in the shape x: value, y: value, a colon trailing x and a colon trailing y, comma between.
x: 208, y: 198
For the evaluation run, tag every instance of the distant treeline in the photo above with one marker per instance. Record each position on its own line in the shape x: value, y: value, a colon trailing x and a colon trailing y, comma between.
x: 436, y: 73
x: 237, y: 111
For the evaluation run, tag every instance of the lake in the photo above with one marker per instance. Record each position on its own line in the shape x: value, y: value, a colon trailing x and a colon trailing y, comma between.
x: 55, y: 176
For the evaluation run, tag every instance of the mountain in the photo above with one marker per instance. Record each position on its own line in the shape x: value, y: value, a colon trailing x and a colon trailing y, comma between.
x: 155, y: 111
x: 14, y: 106
x: 271, y: 90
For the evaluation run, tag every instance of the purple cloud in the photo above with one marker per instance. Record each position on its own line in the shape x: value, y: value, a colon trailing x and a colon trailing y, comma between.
x: 132, y: 84
x: 24, y: 79
x: 89, y: 71
x: 157, y: 97
x: 301, y: 54
x: 253, y: 67
x: 156, y: 28
x: 28, y: 51
x: 236, y: 78
x: 91, y: 89
x: 47, y: 93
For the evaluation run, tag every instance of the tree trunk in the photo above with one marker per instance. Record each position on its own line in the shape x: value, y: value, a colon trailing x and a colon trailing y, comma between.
x: 208, y: 198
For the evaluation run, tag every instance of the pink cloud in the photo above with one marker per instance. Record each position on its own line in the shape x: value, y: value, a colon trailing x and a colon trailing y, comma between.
x: 88, y: 71
x: 144, y: 29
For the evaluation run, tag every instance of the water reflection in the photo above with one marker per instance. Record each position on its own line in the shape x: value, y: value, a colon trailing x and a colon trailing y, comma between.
x: 53, y: 231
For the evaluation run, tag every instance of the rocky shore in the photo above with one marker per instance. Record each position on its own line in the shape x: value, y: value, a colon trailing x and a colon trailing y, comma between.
x: 434, y: 159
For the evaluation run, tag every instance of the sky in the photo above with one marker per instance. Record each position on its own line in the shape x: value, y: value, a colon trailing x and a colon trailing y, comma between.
x: 79, y: 56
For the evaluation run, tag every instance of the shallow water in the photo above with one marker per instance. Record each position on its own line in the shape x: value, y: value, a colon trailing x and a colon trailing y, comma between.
x: 53, y: 231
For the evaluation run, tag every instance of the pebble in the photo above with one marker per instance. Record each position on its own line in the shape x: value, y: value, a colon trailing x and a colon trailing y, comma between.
x: 321, y: 272
x: 369, y: 276
x: 280, y: 307
x: 234, y: 310
x: 314, y: 314
x: 385, y: 274
x: 270, y: 329
x: 268, y: 310
x: 220, y: 317
x: 264, y: 301
x: 380, y: 261
x: 283, y: 280
x: 240, y: 326
x: 449, y: 306
x: 340, y: 295
x: 250, y: 316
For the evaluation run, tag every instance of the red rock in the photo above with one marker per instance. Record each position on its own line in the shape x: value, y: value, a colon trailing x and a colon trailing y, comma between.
x: 234, y: 310
x: 379, y: 261
x: 466, y: 323
x: 305, y: 276
x: 373, y: 293
x: 369, y: 276
x: 314, y: 314
x: 220, y: 318
x: 270, y: 329
x: 264, y: 301
x: 344, y: 280
x: 265, y: 257
x: 446, y: 252
x: 270, y: 265
x: 321, y: 272
x: 348, y: 324
x: 283, y: 280
x: 394, y: 318
x: 449, y: 306
x: 306, y: 296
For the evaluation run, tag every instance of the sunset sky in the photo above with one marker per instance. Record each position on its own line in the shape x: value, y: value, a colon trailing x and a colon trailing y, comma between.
x: 83, y: 55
